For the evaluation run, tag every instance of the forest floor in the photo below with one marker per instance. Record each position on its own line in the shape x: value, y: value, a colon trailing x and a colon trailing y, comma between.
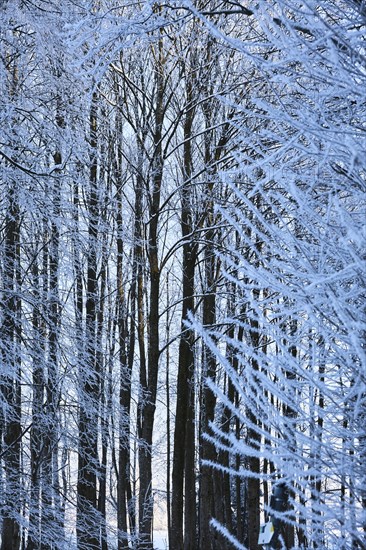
x: 161, y: 540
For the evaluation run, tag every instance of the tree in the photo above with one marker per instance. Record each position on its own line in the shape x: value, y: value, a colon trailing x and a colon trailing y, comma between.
x: 24, y: 263
x: 297, y: 378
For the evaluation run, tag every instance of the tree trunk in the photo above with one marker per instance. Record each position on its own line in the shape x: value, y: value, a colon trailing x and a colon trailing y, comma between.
x: 10, y: 334
x: 87, y: 515
x: 125, y: 359
x: 148, y: 404
x: 184, y: 430
x: 207, y: 539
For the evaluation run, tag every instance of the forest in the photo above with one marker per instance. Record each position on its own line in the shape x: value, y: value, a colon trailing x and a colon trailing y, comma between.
x: 182, y: 274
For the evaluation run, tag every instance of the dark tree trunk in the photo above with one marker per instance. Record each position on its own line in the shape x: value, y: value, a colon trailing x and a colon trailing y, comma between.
x: 88, y: 519
x: 126, y: 351
x: 149, y: 389
x: 184, y: 430
x: 37, y: 401
x: 10, y: 334
x: 207, y: 538
x: 254, y: 440
x: 51, y: 520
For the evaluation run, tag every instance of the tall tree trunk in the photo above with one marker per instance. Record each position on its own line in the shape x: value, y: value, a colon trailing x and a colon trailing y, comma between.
x: 168, y: 423
x: 38, y: 329
x: 10, y: 353
x: 253, y: 437
x: 125, y: 387
x: 184, y: 430
x: 149, y: 391
x: 208, y: 401
x: 10, y: 334
x: 51, y: 519
x: 317, y: 425
x: 103, y: 405
x: 87, y: 515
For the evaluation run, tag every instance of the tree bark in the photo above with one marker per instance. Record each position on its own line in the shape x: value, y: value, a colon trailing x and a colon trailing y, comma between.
x: 149, y: 391
x: 10, y: 334
x: 88, y: 520
x: 184, y: 430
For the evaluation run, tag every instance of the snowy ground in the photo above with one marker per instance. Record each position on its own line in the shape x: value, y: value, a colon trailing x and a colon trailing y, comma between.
x: 161, y: 540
